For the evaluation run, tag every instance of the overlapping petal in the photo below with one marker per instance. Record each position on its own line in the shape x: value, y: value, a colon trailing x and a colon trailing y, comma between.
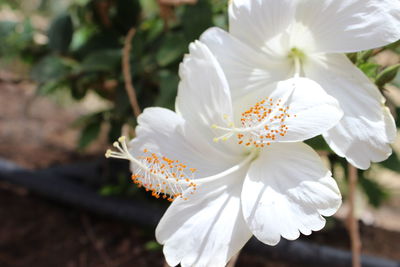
x: 310, y: 110
x: 342, y: 26
x: 208, y: 229
x: 286, y: 191
x: 247, y: 69
x: 367, y: 128
x: 203, y: 93
x: 165, y: 132
x: 257, y: 22
x: 204, y: 97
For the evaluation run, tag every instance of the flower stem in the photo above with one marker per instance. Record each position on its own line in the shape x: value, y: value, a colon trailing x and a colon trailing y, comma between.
x: 352, y: 219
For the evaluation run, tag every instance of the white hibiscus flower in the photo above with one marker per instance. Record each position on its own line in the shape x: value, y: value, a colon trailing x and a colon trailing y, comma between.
x: 271, y: 40
x: 226, y: 191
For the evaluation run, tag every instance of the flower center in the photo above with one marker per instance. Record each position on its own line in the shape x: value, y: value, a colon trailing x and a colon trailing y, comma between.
x: 298, y: 57
x: 164, y: 177
x: 262, y: 124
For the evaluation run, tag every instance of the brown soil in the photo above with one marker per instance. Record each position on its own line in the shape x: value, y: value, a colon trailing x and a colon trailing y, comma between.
x: 35, y: 232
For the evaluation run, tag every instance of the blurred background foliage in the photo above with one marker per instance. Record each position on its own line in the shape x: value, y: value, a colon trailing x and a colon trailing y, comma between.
x: 80, y: 53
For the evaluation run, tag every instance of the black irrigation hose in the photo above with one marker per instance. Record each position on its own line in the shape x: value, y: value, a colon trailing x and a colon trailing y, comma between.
x: 62, y: 184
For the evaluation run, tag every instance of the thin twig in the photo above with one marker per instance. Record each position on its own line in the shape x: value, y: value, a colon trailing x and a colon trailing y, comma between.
x: 378, y: 50
x: 92, y: 237
x: 352, y: 219
x: 126, y: 68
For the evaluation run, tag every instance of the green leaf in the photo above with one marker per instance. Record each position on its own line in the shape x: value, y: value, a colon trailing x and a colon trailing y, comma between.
x: 106, y: 39
x: 196, y: 19
x: 221, y: 21
x: 89, y: 134
x: 153, y: 28
x: 396, y: 80
x: 50, y: 68
x: 110, y: 190
x: 392, y: 163
x: 115, y: 129
x: 168, y: 87
x: 87, y: 119
x: 318, y: 143
x: 398, y: 117
x: 172, y: 49
x: 60, y: 33
x: 370, y: 69
x: 364, y: 56
x: 150, y: 8
x: 51, y: 86
x: 387, y: 75
x: 375, y: 193
x: 127, y: 14
x: 152, y: 246
x: 102, y: 60
x: 353, y: 57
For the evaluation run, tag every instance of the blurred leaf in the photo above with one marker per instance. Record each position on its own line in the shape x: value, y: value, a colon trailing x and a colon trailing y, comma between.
x: 81, y: 36
x: 153, y: 27
x: 50, y: 87
x: 102, y: 60
x: 364, y: 56
x: 50, y: 68
x: 221, y: 21
x: 15, y: 37
x: 111, y: 190
x: 370, y: 69
x: 172, y: 49
x: 89, y: 133
x: 115, y: 129
x: 375, y: 193
x: 387, y: 75
x: 318, y: 143
x: 168, y: 88
x: 394, y: 46
x: 107, y: 39
x: 392, y: 163
x: 78, y: 89
x: 196, y: 19
x: 150, y: 7
x: 398, y: 117
x: 396, y: 80
x: 152, y: 246
x: 60, y: 33
x: 353, y: 57
x: 127, y: 14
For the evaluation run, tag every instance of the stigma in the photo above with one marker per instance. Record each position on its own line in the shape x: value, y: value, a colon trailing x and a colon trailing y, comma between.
x: 164, y: 177
x: 261, y: 124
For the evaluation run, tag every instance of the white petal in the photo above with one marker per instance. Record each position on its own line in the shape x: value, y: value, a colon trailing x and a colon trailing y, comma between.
x: 286, y: 191
x: 203, y: 97
x: 256, y: 22
x: 246, y: 69
x: 208, y: 228
x: 203, y: 93
x: 311, y: 110
x: 367, y: 128
x: 163, y: 131
x: 350, y: 25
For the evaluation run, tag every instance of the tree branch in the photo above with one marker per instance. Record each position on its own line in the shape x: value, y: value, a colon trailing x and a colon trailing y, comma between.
x: 126, y: 68
x: 352, y: 219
